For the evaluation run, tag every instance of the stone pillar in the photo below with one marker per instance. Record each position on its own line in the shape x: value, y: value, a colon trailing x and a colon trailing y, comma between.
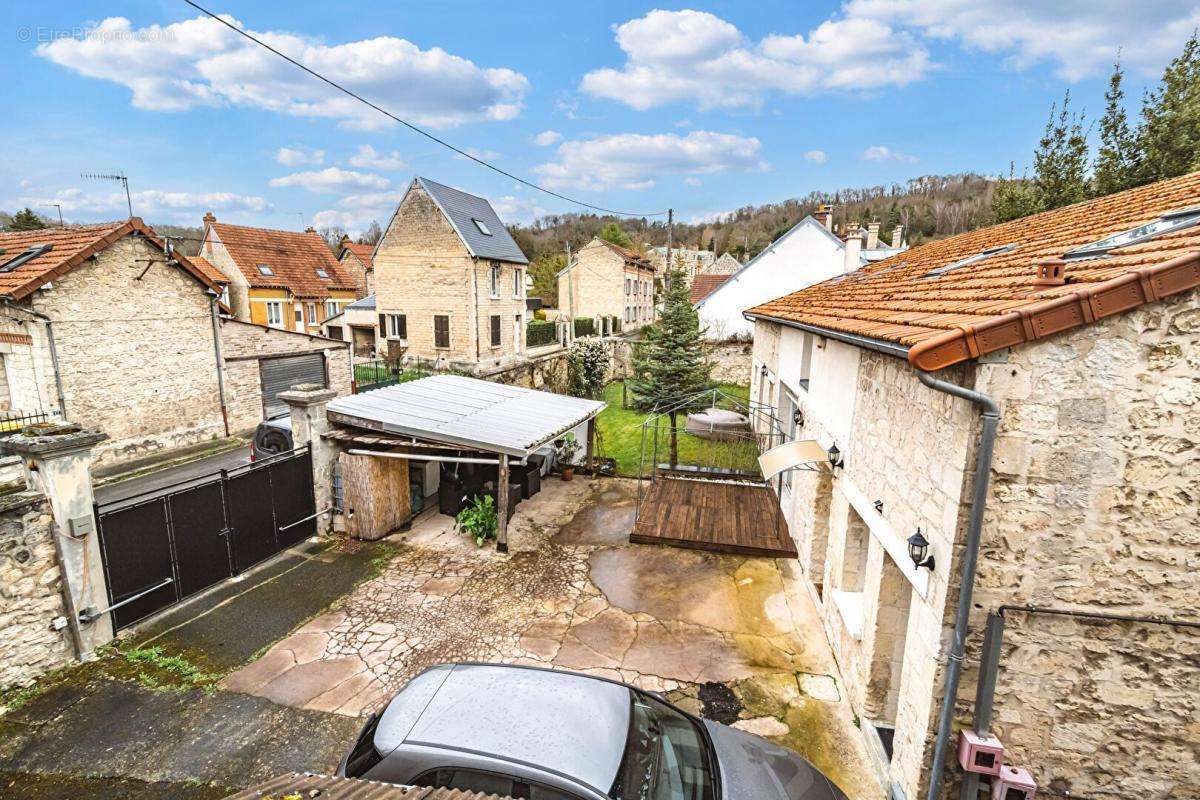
x: 307, y: 402
x: 57, y: 462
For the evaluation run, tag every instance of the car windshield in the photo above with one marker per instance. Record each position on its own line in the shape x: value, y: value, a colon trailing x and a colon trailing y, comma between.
x: 666, y: 756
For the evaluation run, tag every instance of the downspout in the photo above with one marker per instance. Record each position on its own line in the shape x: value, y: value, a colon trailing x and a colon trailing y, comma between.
x: 983, y: 466
x: 58, y: 387
x: 216, y: 326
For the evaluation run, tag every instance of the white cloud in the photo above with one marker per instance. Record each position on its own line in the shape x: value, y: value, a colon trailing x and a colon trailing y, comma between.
x: 816, y: 156
x: 697, y: 57
x: 1079, y: 37
x: 705, y: 217
x: 547, y: 138
x: 366, y: 157
x: 331, y: 218
x: 200, y: 62
x: 298, y: 156
x: 634, y: 160
x: 690, y: 181
x: 517, y: 210
x: 150, y: 204
x: 879, y: 152
x: 331, y: 180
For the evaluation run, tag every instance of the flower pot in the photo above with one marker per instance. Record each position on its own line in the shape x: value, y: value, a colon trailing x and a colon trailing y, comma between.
x: 568, y: 473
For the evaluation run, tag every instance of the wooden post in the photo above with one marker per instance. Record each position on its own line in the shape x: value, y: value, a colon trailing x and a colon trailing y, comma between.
x: 591, y: 446
x: 502, y: 505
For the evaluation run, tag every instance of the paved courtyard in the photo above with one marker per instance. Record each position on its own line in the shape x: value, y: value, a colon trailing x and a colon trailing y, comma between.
x: 719, y: 634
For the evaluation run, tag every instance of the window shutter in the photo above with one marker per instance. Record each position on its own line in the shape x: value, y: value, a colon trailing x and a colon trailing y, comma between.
x: 441, y: 330
x: 402, y: 319
x: 495, y: 330
x: 383, y: 331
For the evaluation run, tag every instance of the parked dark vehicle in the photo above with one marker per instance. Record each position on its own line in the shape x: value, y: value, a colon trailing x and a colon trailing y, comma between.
x: 542, y: 734
x: 272, y: 436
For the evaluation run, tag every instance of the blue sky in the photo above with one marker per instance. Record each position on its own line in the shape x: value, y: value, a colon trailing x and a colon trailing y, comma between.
x: 703, y: 107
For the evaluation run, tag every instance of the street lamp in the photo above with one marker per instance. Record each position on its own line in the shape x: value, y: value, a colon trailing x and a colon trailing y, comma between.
x: 918, y: 550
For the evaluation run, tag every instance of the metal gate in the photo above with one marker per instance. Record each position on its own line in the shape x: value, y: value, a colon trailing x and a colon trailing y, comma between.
x: 280, y: 374
x: 168, y: 544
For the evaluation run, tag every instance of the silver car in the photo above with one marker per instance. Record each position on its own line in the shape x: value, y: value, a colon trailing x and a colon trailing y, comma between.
x: 540, y: 734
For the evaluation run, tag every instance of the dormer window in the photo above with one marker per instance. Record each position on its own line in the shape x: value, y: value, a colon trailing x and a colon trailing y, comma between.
x: 263, y: 269
x: 483, y: 228
x: 1173, y: 221
x: 975, y: 259
x: 321, y: 273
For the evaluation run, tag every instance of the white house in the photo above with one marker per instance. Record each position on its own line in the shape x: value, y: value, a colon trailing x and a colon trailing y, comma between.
x: 806, y: 254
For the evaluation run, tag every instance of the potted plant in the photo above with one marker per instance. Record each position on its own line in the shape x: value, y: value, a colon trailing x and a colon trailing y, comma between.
x: 478, y: 518
x: 567, y: 448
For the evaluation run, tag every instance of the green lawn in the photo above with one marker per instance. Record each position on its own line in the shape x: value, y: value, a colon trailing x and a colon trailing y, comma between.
x: 620, y: 438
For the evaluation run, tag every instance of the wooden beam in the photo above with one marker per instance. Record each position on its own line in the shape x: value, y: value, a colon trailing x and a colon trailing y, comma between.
x: 591, y: 446
x: 502, y: 505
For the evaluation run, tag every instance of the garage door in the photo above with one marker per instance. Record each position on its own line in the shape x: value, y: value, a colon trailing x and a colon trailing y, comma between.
x: 281, y: 374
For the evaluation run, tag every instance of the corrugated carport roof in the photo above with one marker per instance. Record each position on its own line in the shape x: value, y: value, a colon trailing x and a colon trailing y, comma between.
x: 466, y: 412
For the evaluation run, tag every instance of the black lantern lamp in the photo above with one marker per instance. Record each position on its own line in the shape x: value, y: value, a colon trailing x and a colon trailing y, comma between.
x: 918, y: 550
x: 798, y: 418
x: 835, y: 457
x: 763, y: 371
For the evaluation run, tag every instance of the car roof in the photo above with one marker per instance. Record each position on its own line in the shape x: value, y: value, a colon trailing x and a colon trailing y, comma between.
x: 561, y: 722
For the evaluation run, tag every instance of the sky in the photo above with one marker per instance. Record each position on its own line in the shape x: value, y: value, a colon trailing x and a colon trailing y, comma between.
x: 699, y: 107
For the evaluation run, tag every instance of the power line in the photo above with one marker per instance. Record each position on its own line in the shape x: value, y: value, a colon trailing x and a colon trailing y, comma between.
x: 414, y: 128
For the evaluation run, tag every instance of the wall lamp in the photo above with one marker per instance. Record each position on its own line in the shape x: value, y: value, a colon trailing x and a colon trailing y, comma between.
x: 918, y: 550
x: 763, y: 371
x: 798, y: 418
x: 835, y: 457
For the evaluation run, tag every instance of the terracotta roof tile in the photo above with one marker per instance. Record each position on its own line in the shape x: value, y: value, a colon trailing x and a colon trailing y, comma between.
x: 68, y: 249
x: 996, y: 302
x: 293, y: 258
x: 703, y: 285
x: 624, y: 252
x: 209, y: 269
x: 363, y: 252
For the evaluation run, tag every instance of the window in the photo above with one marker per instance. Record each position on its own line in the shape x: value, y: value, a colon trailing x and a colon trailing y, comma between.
x: 665, y: 755
x: 495, y: 330
x: 299, y: 316
x: 627, y: 287
x: 263, y: 269
x: 312, y: 314
x: 441, y: 331
x: 787, y: 422
x: 393, y: 326
x: 275, y: 314
x: 332, y: 308
x: 806, y: 355
x: 28, y: 255
x: 1174, y: 221
x: 321, y: 273
x: 975, y: 259
x: 518, y: 283
x: 483, y: 228
x: 495, y: 280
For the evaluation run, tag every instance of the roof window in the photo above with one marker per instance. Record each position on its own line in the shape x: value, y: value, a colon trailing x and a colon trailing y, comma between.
x: 321, y: 273
x: 1173, y: 221
x: 27, y: 255
x: 482, y: 227
x: 264, y: 269
x: 975, y: 259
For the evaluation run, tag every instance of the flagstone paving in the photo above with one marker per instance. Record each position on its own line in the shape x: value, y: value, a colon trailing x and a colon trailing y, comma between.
x: 574, y: 594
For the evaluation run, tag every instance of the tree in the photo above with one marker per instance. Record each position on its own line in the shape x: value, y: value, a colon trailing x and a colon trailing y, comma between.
x: 1169, y: 135
x: 669, y: 369
x: 372, y: 234
x: 26, y: 220
x: 588, y: 362
x: 1060, y: 162
x: 333, y: 236
x: 544, y: 271
x: 1013, y: 197
x: 1118, y: 160
x: 612, y: 233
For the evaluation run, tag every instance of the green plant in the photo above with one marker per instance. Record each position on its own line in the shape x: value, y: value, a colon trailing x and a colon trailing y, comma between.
x: 567, y: 448
x: 167, y: 671
x: 478, y: 518
x: 588, y: 363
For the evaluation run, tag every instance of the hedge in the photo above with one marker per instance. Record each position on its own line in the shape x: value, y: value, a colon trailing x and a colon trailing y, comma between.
x: 538, y: 333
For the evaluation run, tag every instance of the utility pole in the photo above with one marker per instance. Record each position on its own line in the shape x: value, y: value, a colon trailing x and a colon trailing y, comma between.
x: 670, y: 228
x: 570, y: 297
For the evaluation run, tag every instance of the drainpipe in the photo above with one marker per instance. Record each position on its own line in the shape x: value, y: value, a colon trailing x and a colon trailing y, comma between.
x: 990, y: 413
x: 58, y: 387
x: 216, y: 326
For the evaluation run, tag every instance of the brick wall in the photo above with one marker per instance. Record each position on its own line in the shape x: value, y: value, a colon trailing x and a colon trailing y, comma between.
x: 244, y: 344
x: 30, y: 592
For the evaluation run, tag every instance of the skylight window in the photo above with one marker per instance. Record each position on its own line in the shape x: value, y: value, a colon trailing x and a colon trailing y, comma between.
x: 27, y: 255
x: 482, y: 227
x: 1173, y: 221
x: 264, y: 269
x: 975, y: 259
x: 321, y: 273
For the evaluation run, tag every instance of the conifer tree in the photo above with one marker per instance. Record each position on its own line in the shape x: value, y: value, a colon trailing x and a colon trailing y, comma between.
x: 1169, y: 135
x: 1117, y: 162
x: 26, y: 220
x: 1060, y: 163
x: 1013, y: 197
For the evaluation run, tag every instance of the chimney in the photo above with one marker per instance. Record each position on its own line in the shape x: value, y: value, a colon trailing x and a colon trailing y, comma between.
x: 853, y: 250
x: 310, y: 229
x: 1049, y: 272
x: 209, y: 217
x: 873, y: 236
x: 824, y: 215
x: 898, y: 236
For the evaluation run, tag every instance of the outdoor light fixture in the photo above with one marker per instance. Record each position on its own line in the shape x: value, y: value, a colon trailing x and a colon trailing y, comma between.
x: 918, y: 550
x: 798, y: 418
x: 763, y: 371
x: 835, y: 457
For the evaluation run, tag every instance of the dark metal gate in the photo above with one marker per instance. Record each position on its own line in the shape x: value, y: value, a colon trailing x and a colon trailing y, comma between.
x: 166, y: 545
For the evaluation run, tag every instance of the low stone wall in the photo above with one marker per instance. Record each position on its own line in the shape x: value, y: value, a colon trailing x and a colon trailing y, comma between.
x: 30, y: 592
x: 548, y: 372
x: 730, y: 360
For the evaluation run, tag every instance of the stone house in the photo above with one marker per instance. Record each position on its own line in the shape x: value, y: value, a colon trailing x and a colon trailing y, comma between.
x: 606, y: 282
x: 359, y: 324
x: 282, y: 279
x: 450, y: 280
x: 691, y: 261
x: 1059, y: 443
x: 725, y: 265
x: 356, y: 261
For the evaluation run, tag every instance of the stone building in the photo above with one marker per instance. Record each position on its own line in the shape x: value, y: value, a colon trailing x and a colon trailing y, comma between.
x: 359, y: 324
x: 450, y: 280
x: 282, y: 279
x: 357, y: 262
x: 690, y: 261
x: 1073, y: 335
x: 605, y: 283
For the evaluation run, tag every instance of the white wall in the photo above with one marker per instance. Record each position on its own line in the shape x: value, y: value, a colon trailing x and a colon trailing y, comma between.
x: 803, y: 256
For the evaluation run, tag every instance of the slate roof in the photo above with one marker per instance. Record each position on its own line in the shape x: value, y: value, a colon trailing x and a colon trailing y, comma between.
x: 996, y: 302
x: 292, y: 256
x: 365, y: 304
x: 704, y: 284
x: 462, y: 209
x: 69, y: 247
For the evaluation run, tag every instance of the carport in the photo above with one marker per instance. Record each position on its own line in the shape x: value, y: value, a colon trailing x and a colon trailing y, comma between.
x: 493, y: 422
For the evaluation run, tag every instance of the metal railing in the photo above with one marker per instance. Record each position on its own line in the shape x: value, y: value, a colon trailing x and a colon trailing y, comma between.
x: 378, y: 373
x: 14, y: 421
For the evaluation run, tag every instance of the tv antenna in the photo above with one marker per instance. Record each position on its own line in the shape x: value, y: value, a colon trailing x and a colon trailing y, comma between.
x: 117, y: 176
x: 60, y: 217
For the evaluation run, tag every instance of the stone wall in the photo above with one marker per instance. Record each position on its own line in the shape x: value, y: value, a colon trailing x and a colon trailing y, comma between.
x: 30, y: 592
x: 730, y: 360
x: 243, y: 345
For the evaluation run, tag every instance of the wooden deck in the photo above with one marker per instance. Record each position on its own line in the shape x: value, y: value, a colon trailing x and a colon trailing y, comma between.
x: 740, y: 518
